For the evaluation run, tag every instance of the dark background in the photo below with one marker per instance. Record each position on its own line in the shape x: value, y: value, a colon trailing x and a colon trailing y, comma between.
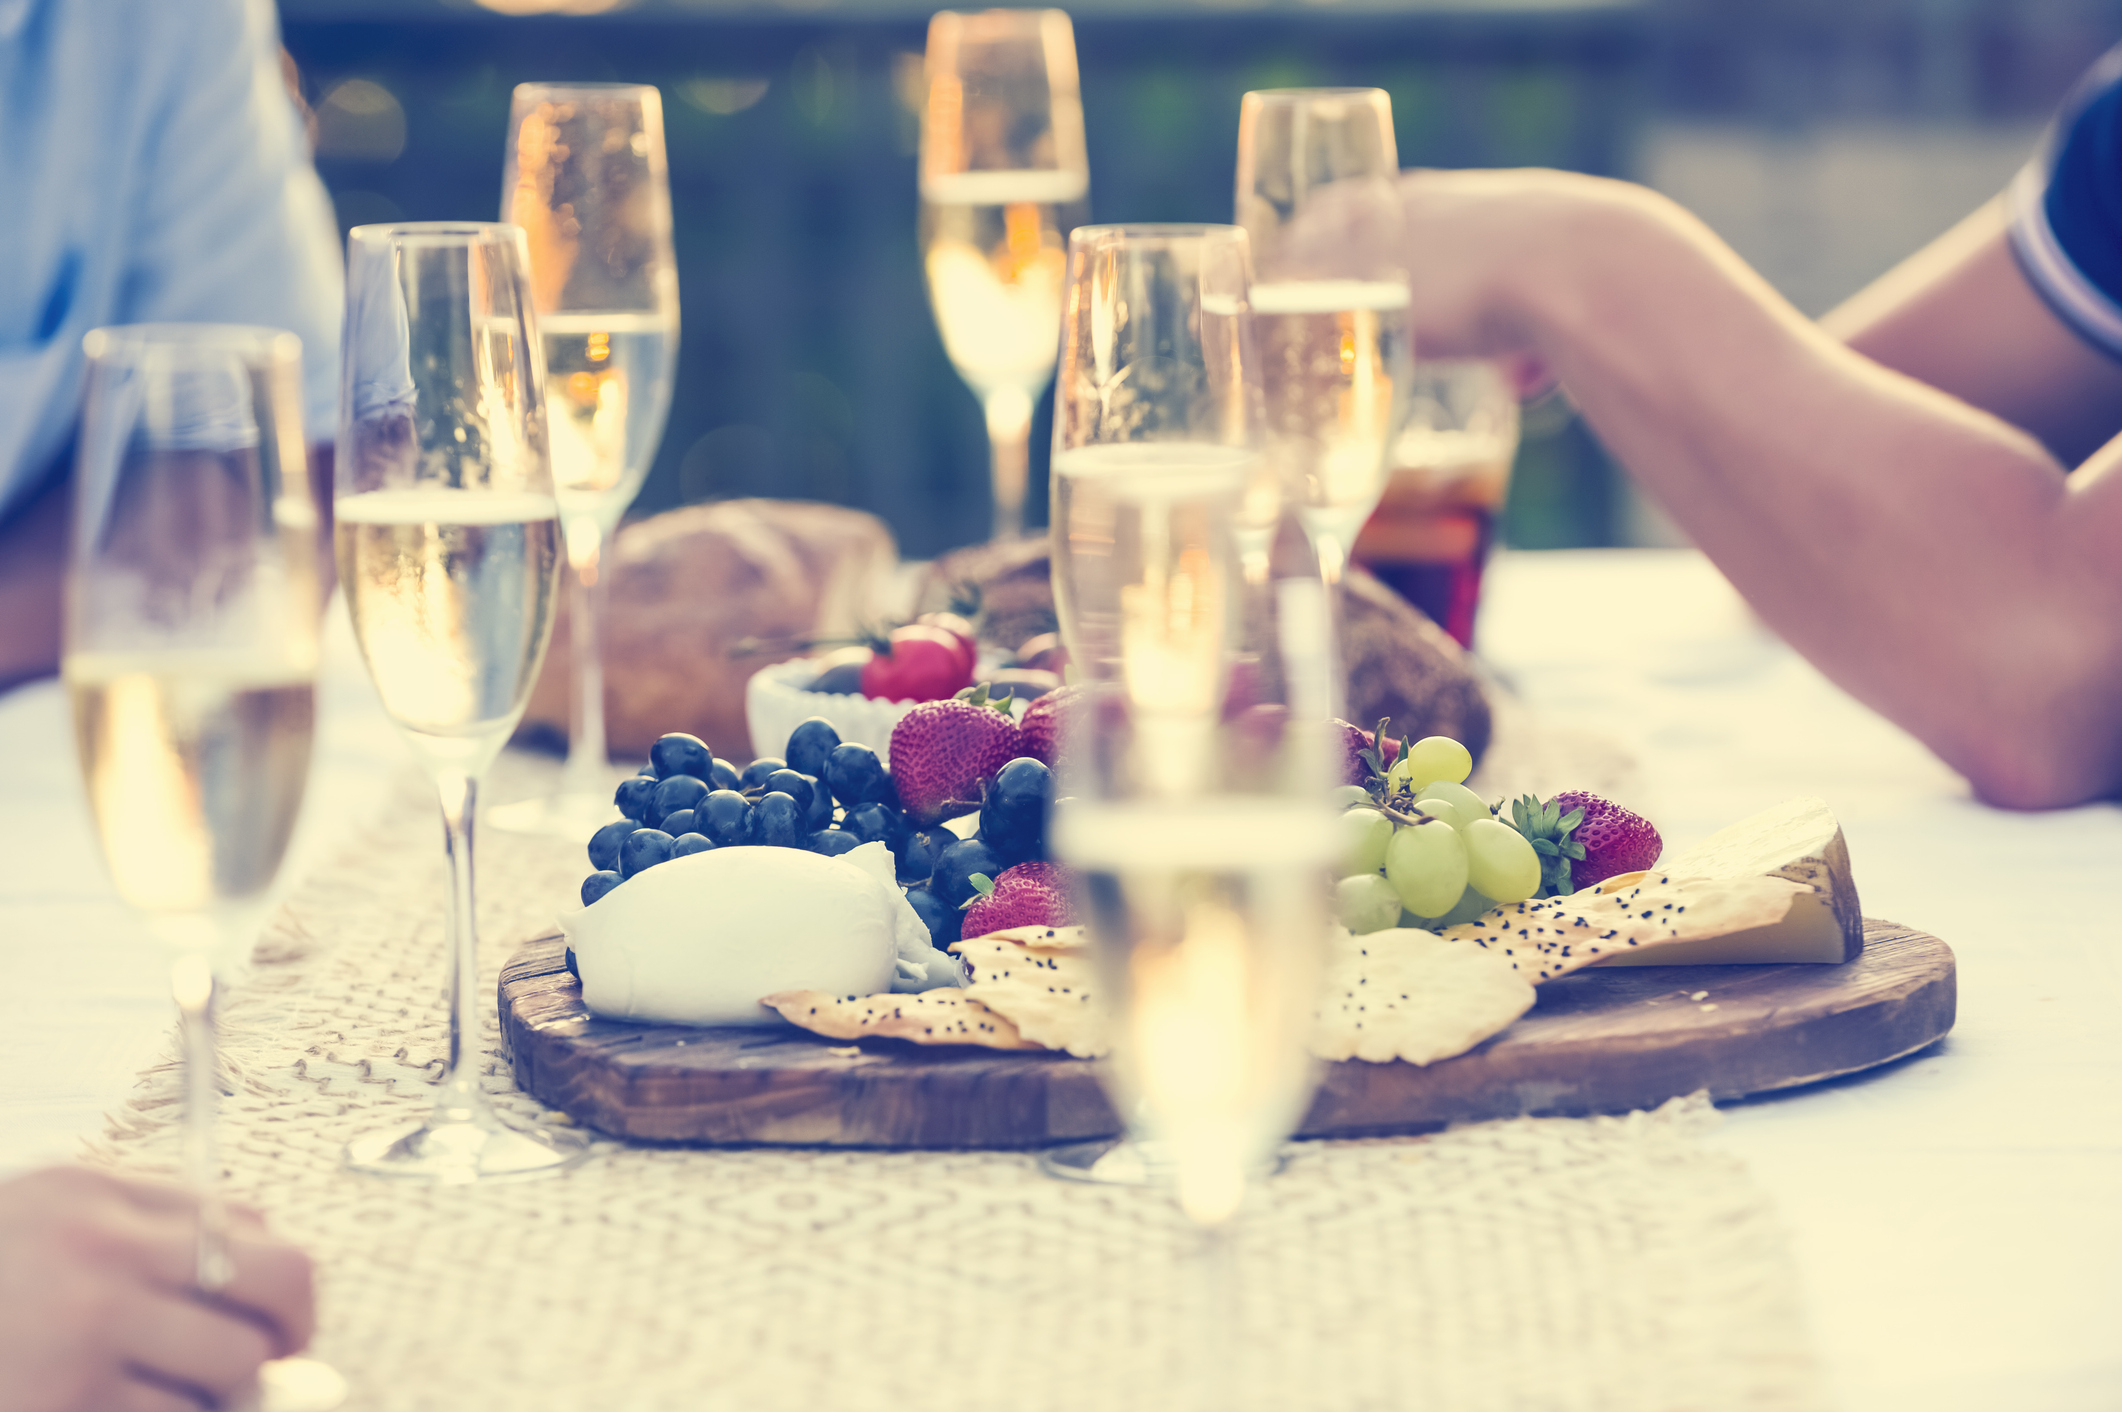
x: 810, y: 367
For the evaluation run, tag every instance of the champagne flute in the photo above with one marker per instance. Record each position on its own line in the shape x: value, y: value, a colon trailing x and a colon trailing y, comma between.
x: 1195, y: 779
x: 1003, y: 178
x: 1331, y: 320
x: 190, y: 660
x: 585, y: 176
x: 449, y: 547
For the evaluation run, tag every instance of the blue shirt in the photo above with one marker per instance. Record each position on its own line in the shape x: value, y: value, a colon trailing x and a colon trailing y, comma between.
x: 2066, y: 225
x: 152, y: 169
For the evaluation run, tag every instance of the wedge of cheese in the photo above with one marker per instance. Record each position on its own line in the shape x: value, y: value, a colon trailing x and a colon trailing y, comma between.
x: 1798, y: 840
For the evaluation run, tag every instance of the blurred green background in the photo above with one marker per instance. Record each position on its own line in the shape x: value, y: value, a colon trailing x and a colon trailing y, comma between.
x: 810, y: 367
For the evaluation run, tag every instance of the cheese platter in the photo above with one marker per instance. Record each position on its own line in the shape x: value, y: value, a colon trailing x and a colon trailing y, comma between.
x: 871, y: 985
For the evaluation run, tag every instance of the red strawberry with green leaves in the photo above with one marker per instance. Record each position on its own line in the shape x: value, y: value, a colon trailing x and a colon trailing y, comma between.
x: 1583, y: 839
x: 1028, y: 895
x: 942, y: 752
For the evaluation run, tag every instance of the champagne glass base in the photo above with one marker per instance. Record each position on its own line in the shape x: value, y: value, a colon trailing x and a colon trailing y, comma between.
x: 572, y: 816
x: 296, y: 1385
x: 461, y: 1147
x: 1123, y: 1161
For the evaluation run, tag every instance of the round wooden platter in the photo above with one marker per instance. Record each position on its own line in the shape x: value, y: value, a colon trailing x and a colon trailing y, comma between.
x: 1598, y: 1041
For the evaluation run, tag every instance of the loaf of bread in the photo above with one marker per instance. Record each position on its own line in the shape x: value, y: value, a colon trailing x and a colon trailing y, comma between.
x: 688, y: 589
x: 1399, y: 663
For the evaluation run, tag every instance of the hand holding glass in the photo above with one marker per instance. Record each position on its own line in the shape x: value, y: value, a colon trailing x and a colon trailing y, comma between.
x: 190, y: 659
x: 449, y: 553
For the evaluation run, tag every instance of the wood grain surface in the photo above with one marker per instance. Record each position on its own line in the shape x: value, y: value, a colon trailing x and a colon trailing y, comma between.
x: 1598, y: 1041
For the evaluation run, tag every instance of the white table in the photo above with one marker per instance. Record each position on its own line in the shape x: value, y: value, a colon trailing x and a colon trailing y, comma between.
x: 1957, y: 1217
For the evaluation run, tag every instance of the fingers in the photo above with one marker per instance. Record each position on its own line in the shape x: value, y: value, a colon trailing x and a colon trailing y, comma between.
x: 134, y: 1395
x: 274, y: 1281
x: 184, y: 1344
x: 270, y: 1283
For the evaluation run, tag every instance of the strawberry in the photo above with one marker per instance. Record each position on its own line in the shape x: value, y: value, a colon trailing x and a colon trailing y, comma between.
x: 1367, y: 755
x: 1583, y: 839
x: 1028, y: 895
x: 942, y: 752
x: 1042, y: 723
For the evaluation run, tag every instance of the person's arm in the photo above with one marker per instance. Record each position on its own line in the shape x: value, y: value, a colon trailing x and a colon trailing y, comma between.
x: 232, y: 226
x: 1959, y: 315
x: 1931, y: 558
x: 98, y: 1311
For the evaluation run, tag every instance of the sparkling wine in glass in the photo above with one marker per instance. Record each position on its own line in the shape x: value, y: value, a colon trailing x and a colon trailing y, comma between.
x: 1003, y: 179
x: 585, y: 176
x: 1331, y: 319
x: 190, y: 660
x: 1195, y: 778
x: 449, y: 546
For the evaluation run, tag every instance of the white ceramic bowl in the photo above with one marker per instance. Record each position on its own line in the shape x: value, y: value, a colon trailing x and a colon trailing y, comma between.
x: 775, y: 703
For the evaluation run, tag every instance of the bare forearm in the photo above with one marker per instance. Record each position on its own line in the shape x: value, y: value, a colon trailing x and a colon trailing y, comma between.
x: 1922, y: 552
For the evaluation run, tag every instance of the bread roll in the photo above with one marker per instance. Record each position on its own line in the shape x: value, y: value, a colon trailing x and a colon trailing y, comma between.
x: 1400, y: 664
x: 686, y: 587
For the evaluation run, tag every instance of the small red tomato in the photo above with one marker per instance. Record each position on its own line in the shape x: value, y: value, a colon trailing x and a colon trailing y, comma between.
x: 917, y: 664
x: 957, y: 627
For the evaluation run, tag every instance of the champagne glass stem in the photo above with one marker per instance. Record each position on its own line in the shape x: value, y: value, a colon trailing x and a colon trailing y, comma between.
x: 192, y: 985
x: 461, y: 1099
x: 588, y: 753
x: 1333, y: 566
x: 1216, y: 1317
x: 1009, y: 439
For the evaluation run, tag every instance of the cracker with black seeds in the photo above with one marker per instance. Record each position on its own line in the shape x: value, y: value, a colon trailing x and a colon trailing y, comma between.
x: 1049, y: 993
x: 1552, y: 936
x: 946, y: 1016
x: 1410, y: 994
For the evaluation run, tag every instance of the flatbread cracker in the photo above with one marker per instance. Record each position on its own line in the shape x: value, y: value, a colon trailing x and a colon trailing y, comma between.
x: 1041, y: 938
x: 1553, y: 936
x: 1409, y: 994
x: 946, y: 1016
x: 1050, y: 994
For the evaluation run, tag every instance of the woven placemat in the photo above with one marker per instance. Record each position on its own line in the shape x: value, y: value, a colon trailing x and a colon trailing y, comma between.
x: 1610, y: 1263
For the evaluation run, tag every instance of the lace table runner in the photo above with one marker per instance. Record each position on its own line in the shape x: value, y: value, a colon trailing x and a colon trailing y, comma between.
x: 1614, y: 1263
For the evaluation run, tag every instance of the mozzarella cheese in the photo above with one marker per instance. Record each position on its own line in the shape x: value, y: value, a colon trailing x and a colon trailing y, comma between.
x: 698, y: 940
x: 1798, y: 840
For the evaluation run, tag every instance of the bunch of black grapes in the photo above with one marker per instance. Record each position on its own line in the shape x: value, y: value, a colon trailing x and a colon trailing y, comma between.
x: 822, y: 795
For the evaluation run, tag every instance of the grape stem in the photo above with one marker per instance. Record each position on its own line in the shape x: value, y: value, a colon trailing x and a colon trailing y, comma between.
x: 1411, y: 820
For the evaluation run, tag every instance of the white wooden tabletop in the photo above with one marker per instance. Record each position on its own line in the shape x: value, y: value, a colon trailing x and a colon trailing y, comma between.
x: 1956, y: 1217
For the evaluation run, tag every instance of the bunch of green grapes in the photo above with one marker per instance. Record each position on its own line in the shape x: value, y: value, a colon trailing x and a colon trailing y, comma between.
x: 1420, y: 849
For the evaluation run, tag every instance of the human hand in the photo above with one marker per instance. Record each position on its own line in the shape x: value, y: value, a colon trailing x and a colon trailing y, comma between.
x: 1485, y: 252
x: 98, y: 1309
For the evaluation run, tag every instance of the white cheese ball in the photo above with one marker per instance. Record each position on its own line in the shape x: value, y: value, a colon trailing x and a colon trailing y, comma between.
x: 699, y: 939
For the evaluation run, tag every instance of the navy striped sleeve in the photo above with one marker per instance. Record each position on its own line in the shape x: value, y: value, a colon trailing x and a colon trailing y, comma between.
x: 2066, y: 228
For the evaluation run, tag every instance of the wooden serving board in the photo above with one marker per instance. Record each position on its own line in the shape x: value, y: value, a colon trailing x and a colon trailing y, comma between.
x: 1598, y: 1041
